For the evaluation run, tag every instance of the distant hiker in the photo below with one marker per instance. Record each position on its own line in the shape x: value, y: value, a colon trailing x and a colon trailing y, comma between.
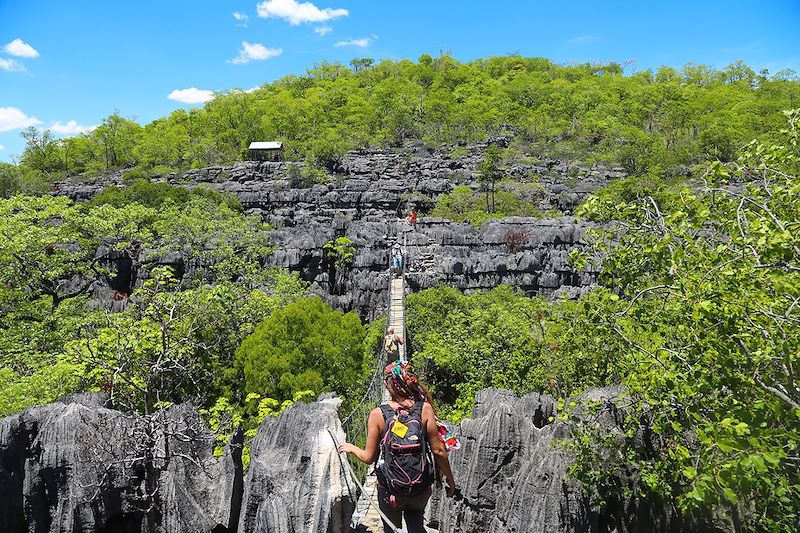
x: 401, y: 436
x: 397, y: 259
x: 391, y: 345
x: 412, y: 218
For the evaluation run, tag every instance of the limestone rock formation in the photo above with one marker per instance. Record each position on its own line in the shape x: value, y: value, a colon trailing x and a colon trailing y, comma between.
x: 295, y: 482
x: 513, y: 476
x: 510, y: 475
x: 76, y: 465
x: 366, y: 200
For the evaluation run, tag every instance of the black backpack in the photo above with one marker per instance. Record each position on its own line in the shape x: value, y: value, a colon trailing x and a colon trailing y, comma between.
x: 405, y: 466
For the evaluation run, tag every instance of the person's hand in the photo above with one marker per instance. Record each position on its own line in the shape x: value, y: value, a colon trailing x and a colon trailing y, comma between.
x: 346, y: 447
x: 451, y: 488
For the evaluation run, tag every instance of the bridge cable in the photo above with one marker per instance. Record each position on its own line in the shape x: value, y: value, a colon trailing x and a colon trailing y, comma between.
x: 349, y: 469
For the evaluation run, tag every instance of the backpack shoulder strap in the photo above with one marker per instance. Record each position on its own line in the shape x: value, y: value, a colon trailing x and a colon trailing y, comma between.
x: 387, y: 412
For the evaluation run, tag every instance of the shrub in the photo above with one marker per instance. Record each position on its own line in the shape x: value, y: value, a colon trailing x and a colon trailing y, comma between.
x: 304, y: 346
x: 135, y: 174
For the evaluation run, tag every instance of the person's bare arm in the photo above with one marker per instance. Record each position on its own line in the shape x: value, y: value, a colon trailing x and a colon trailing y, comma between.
x: 399, y: 339
x: 437, y: 447
x: 374, y: 428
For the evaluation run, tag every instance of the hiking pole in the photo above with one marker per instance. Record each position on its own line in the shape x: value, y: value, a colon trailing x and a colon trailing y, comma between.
x: 349, y: 469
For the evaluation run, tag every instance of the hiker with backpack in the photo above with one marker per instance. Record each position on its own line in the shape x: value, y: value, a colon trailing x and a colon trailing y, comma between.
x: 397, y: 259
x: 402, y: 438
x: 391, y: 345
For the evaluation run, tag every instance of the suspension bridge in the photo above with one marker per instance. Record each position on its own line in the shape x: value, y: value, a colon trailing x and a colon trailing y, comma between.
x: 366, y: 518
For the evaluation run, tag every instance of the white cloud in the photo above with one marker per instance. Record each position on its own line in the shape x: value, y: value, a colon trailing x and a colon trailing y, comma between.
x: 296, y: 12
x: 361, y: 43
x: 70, y: 128
x: 11, y: 65
x: 20, y: 48
x: 2, y: 147
x: 192, y: 95
x: 12, y: 118
x: 254, y: 52
x: 583, y: 39
x: 323, y: 30
x: 243, y: 19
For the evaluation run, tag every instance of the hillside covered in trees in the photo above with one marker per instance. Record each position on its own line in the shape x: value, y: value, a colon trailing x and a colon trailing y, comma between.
x: 695, y: 312
x: 644, y: 121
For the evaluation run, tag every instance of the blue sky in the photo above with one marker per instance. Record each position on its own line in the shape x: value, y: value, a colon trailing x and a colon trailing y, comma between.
x: 66, y: 65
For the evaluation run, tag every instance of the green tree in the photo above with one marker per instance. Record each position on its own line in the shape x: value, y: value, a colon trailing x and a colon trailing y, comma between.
x: 707, y: 311
x: 118, y: 138
x: 303, y: 346
x: 490, y: 173
x: 42, y: 152
x: 9, y: 180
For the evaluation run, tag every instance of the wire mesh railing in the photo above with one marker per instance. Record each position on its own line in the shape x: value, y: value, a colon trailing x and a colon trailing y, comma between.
x: 355, y: 423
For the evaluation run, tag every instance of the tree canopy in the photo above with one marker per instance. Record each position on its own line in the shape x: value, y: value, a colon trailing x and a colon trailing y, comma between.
x: 696, y: 316
x: 304, y: 346
x: 644, y: 121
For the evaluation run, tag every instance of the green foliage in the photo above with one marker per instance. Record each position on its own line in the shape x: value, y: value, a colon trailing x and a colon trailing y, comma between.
x: 216, y: 197
x: 46, y: 240
x: 489, y: 174
x: 303, y: 346
x: 224, y: 418
x: 708, y: 315
x: 500, y: 338
x: 148, y: 193
x: 301, y: 177
x: 697, y: 319
x: 341, y: 250
x: 135, y: 174
x: 646, y: 122
x: 49, y: 262
x: 613, y: 201
x: 144, y: 192
x: 463, y: 204
x: 9, y: 180
x: 42, y: 386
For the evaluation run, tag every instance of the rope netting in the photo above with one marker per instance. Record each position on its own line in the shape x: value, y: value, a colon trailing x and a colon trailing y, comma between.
x: 355, y: 423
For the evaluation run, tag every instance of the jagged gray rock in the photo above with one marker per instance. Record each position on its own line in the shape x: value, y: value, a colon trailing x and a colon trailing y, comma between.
x: 295, y: 482
x: 364, y: 201
x: 76, y: 465
x: 513, y: 475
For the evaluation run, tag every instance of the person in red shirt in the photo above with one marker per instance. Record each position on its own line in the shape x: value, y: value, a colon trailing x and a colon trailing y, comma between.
x: 412, y: 218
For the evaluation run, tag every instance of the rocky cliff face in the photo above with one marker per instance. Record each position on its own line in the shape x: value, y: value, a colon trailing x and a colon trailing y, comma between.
x: 295, y: 482
x: 513, y: 475
x: 78, y: 465
x: 366, y: 200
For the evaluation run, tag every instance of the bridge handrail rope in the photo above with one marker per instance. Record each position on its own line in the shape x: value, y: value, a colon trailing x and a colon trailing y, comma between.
x: 360, y: 486
x: 356, y: 421
x: 377, y: 376
x: 406, y: 265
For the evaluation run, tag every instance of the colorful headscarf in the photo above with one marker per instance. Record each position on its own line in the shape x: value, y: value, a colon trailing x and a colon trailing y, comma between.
x: 407, y: 384
x: 404, y: 380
